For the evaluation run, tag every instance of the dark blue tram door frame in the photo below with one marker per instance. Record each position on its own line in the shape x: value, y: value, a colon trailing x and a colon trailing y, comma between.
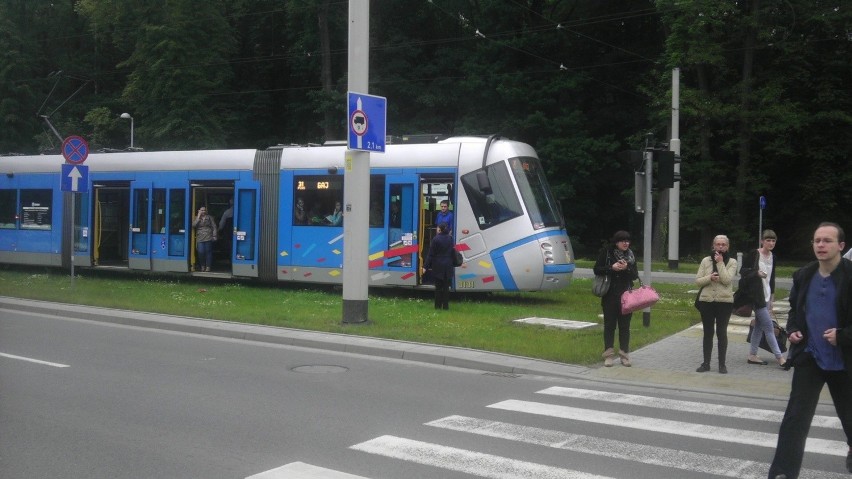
x: 235, y: 250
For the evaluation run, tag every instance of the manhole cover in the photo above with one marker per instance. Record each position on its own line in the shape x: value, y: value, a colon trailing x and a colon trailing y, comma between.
x: 320, y: 369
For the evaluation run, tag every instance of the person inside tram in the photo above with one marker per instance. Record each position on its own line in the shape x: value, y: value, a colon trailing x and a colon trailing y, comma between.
x: 336, y: 216
x: 300, y: 214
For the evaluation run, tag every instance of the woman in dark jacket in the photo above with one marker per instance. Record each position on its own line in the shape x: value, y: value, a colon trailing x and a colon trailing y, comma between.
x: 440, y: 261
x: 618, y: 262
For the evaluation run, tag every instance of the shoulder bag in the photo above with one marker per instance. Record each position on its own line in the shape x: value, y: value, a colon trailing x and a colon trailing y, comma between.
x: 602, y: 282
x: 458, y: 259
x: 601, y: 285
x: 639, y: 298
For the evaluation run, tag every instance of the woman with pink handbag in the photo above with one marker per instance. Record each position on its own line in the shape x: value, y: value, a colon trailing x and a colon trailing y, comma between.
x: 619, y: 263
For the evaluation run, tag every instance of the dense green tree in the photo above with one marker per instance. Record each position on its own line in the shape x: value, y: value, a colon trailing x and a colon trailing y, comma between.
x: 765, y: 105
x: 177, y: 67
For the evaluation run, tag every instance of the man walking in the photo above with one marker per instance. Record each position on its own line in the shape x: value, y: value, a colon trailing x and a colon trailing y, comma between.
x: 820, y: 330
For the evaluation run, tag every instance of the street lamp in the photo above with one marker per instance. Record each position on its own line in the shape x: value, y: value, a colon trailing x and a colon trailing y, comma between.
x: 127, y: 116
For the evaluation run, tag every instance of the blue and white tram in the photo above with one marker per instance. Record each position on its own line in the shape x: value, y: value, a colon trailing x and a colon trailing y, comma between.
x: 285, y: 223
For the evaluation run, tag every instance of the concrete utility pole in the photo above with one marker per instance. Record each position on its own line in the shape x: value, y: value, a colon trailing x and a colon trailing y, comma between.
x: 356, y: 233
x: 674, y: 191
x: 649, y: 224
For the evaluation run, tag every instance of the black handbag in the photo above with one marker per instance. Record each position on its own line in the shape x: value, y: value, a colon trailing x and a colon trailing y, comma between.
x: 601, y: 285
x: 780, y: 337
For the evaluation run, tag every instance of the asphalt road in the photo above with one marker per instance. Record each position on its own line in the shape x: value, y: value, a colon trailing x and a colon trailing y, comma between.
x: 83, y: 399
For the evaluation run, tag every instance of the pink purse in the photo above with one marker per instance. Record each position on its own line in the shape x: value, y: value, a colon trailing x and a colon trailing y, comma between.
x: 640, y: 298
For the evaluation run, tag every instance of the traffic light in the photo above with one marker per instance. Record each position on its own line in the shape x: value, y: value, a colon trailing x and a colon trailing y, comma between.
x: 666, y: 162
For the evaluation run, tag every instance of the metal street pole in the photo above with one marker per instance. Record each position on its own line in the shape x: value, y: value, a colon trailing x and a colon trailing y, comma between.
x: 674, y: 191
x: 649, y: 210
x: 356, y: 175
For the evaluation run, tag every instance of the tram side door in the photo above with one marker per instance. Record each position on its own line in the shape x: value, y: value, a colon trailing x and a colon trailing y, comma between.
x: 244, y: 247
x: 172, y: 230
x: 139, y: 254
x: 402, y: 223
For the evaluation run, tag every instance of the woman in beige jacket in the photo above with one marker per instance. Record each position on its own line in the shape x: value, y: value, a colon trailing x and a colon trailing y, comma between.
x: 715, y: 301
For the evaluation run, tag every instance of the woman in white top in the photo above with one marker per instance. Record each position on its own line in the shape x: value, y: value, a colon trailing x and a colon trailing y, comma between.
x: 759, y: 267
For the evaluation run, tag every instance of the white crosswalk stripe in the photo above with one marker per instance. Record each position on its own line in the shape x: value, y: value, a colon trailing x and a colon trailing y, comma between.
x: 475, y: 463
x: 657, y: 456
x: 680, y: 428
x: 662, y: 461
x: 717, y: 410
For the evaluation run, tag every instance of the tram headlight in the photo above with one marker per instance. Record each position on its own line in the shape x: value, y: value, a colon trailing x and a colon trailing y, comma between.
x: 547, y: 251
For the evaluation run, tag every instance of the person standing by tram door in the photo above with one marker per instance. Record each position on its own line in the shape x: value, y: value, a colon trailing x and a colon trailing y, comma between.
x: 819, y: 326
x: 440, y: 262
x: 619, y: 263
x: 445, y: 216
x: 205, y: 235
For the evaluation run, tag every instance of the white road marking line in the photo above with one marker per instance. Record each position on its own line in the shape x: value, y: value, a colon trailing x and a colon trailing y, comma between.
x: 685, y: 406
x: 461, y: 460
x: 610, y: 448
x: 37, y: 361
x: 679, y: 428
x: 300, y: 470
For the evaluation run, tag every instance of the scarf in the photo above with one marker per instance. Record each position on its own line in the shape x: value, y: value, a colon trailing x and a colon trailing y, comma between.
x: 725, y: 259
x: 624, y: 255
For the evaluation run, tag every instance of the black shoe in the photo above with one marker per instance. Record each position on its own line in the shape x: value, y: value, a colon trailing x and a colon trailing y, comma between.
x: 703, y: 368
x: 761, y: 363
x: 723, y: 369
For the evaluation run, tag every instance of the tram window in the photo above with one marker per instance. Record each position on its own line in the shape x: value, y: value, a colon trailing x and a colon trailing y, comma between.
x: 532, y: 182
x: 314, y: 199
x: 158, y: 216
x: 8, y: 202
x: 377, y: 201
x: 496, y: 203
x: 177, y: 211
x: 35, y: 209
x: 140, y: 222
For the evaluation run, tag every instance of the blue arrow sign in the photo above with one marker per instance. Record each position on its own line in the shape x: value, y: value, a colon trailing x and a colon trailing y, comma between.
x: 367, y: 122
x: 75, y: 178
x: 763, y: 202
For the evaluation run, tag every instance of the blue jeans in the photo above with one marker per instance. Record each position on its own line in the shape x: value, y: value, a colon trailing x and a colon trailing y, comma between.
x: 205, y: 254
x: 763, y: 327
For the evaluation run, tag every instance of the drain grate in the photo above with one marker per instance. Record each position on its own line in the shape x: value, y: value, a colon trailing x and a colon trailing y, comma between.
x: 320, y: 369
x: 501, y: 375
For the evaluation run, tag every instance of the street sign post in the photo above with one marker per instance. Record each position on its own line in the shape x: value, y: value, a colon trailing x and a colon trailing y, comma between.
x: 74, y: 179
x: 75, y: 150
x: 367, y: 122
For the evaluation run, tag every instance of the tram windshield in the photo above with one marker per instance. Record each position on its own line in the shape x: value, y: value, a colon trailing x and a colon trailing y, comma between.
x: 532, y: 183
x: 492, y: 195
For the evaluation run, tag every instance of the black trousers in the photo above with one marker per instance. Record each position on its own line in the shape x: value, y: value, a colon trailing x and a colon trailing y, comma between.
x: 611, y: 305
x: 808, y: 380
x: 442, y: 293
x: 715, y: 317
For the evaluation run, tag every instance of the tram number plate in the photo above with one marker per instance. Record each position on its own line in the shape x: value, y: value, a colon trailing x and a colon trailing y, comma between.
x: 465, y: 284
